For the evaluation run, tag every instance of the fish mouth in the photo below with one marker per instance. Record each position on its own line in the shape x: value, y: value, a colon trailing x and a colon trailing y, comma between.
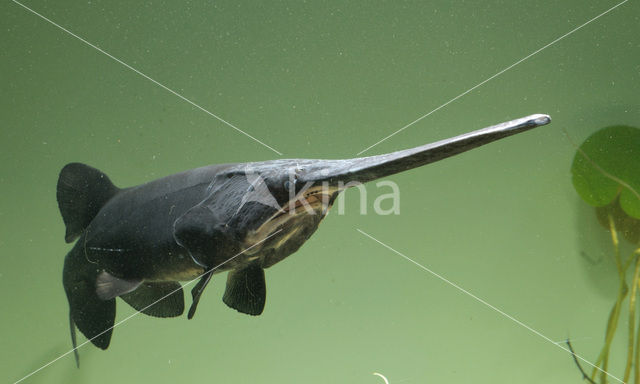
x: 311, y: 200
x: 307, y: 209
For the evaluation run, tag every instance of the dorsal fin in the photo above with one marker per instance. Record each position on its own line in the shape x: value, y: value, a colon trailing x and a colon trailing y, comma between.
x: 82, y: 191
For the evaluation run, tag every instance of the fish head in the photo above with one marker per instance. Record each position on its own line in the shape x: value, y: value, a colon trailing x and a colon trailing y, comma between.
x: 285, y: 200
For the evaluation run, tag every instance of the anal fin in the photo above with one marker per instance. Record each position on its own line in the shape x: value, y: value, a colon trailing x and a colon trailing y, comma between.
x: 164, y: 299
x: 246, y: 290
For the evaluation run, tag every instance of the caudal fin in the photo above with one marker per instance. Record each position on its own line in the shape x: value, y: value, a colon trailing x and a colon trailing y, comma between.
x: 74, y: 343
x: 93, y: 316
x: 82, y: 191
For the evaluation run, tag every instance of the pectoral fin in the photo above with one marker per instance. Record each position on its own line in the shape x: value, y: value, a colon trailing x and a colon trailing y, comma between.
x: 246, y: 290
x: 196, y: 292
x: 157, y: 299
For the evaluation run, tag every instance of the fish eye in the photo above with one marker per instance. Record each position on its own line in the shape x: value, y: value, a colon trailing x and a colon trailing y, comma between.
x: 287, y: 184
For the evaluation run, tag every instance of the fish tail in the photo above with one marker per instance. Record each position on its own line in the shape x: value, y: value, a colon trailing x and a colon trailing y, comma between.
x: 93, y: 316
x: 72, y: 329
x: 81, y: 192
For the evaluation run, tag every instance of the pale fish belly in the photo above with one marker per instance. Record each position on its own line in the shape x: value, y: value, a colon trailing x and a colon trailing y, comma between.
x: 184, y: 274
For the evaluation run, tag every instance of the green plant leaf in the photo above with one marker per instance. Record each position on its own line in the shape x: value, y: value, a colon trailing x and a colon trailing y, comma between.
x: 626, y: 225
x: 605, y: 162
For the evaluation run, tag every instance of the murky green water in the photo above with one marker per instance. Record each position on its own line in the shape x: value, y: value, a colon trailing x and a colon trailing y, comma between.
x: 326, y: 80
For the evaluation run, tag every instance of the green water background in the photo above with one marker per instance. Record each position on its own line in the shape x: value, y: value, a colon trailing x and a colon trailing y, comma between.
x: 325, y: 80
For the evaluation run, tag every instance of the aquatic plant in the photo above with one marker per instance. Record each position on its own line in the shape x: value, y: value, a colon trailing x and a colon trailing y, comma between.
x: 606, y: 175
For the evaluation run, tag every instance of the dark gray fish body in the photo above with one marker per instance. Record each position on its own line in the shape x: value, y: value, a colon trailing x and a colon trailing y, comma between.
x: 132, y: 235
x: 138, y: 243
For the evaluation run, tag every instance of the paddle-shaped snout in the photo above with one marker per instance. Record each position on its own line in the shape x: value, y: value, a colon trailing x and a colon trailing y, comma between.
x: 336, y: 173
